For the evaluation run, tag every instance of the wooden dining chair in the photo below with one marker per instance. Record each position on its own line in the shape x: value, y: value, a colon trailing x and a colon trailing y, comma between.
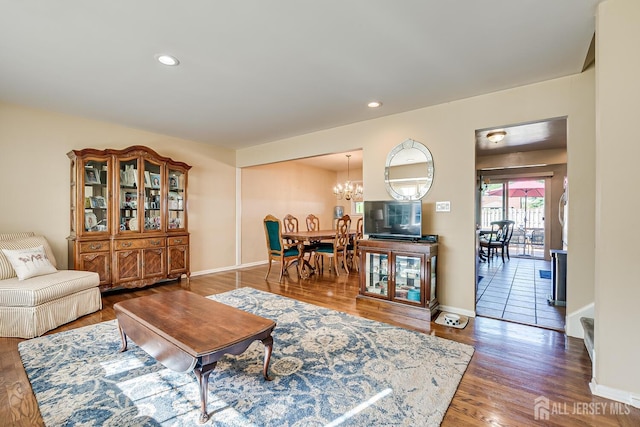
x: 337, y: 250
x: 352, y: 249
x: 290, y: 224
x: 277, y: 248
x: 498, y: 239
x: 313, y: 224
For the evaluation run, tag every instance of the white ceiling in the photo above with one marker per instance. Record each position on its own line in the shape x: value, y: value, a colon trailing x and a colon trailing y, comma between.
x: 542, y: 135
x: 255, y: 71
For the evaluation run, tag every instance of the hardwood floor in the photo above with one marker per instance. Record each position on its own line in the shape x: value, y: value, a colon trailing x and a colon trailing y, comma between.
x: 512, y: 365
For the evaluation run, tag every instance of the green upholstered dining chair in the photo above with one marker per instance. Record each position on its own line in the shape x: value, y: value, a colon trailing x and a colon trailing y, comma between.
x: 337, y: 250
x: 277, y: 248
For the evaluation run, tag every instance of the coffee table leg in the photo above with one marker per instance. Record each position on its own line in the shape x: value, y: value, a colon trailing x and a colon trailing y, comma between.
x: 123, y: 338
x: 202, y: 373
x: 268, y: 348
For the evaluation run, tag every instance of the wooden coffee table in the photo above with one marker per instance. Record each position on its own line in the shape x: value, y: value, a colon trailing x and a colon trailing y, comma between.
x: 188, y: 332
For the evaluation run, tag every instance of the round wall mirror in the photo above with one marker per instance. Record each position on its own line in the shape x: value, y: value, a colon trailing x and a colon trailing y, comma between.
x: 409, y: 171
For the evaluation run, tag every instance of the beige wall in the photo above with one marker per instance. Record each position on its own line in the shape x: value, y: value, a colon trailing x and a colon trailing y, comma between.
x: 280, y: 189
x: 617, y: 345
x: 448, y: 130
x: 35, y: 171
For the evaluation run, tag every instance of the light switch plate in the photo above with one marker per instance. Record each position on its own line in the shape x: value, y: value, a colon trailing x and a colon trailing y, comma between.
x: 443, y: 206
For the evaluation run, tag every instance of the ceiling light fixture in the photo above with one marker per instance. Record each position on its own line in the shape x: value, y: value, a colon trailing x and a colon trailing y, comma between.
x: 167, y: 60
x: 347, y: 191
x: 496, y: 136
x: 374, y: 104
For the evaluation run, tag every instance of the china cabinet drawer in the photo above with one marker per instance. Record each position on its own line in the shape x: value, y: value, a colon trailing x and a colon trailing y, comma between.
x: 87, y: 247
x: 156, y: 242
x: 180, y: 240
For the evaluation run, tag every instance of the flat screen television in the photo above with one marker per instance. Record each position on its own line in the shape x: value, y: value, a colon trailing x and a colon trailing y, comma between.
x: 393, y: 219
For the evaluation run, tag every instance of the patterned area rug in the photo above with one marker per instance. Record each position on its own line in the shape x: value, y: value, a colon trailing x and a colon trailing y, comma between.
x: 329, y: 368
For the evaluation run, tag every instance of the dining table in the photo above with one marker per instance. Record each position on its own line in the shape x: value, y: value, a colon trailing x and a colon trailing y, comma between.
x: 302, y: 237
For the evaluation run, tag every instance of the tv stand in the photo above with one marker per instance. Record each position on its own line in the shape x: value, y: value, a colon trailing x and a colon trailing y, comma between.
x: 398, y: 276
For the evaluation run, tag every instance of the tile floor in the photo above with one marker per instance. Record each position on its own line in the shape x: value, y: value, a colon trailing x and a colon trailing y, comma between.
x: 514, y: 291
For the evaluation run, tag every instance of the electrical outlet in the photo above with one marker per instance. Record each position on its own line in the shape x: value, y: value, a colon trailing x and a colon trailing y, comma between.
x: 443, y: 206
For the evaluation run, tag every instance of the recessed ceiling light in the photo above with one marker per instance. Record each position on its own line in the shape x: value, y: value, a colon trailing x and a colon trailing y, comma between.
x: 167, y: 59
x: 374, y: 104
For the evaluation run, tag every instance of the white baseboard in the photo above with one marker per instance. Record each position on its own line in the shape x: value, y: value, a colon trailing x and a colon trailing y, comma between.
x: 614, y: 394
x: 573, y: 326
x: 457, y: 310
x: 228, y: 268
x: 252, y: 264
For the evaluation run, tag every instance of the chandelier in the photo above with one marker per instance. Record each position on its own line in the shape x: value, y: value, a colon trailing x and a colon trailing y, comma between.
x: 347, y: 190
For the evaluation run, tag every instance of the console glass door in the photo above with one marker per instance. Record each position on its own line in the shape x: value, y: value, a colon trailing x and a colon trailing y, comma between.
x: 407, y: 278
x: 377, y: 273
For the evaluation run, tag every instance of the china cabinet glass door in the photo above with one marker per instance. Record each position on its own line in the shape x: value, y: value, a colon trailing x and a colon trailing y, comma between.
x: 128, y: 194
x: 377, y: 273
x: 407, y: 278
x: 152, y: 196
x: 177, y: 185
x: 96, y: 197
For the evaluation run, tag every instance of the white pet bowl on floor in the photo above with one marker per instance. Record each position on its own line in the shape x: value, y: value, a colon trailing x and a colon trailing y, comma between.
x: 451, y: 319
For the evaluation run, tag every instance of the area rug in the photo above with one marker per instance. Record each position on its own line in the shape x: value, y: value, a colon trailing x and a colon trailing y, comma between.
x: 545, y: 274
x: 329, y: 368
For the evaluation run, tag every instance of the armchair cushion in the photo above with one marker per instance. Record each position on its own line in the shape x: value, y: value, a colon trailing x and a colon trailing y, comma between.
x: 44, y: 289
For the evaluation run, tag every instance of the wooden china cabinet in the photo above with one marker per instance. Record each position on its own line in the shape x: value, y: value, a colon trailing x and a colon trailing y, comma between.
x: 398, y: 277
x: 128, y: 216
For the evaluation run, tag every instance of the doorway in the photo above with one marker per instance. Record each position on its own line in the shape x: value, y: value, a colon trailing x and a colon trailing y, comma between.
x: 519, y: 178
